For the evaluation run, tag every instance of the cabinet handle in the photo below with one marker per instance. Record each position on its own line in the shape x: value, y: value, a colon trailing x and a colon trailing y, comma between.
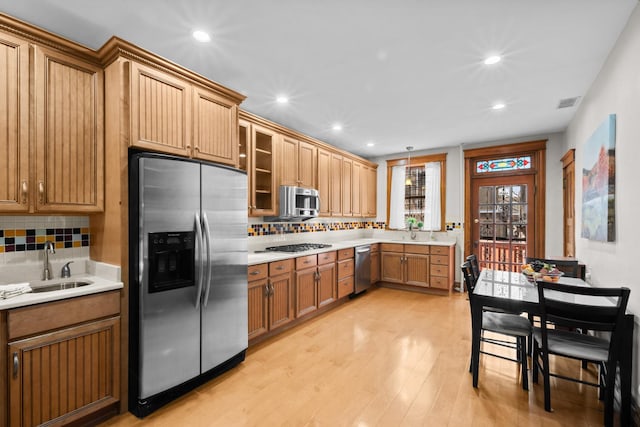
x: 16, y: 364
x: 273, y: 289
x: 188, y: 146
x: 280, y: 267
x: 266, y: 290
x: 41, y: 191
x: 25, y: 189
x: 255, y: 272
x: 196, y: 148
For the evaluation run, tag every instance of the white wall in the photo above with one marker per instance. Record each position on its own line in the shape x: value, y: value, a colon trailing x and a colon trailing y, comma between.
x: 616, y: 90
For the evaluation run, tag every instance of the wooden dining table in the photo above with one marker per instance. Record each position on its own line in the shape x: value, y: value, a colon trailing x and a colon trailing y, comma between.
x: 512, y: 291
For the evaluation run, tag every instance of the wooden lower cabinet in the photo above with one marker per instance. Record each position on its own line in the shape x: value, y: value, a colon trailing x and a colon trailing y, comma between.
x: 67, y: 368
x: 375, y: 263
x: 271, y: 303
x: 306, y: 291
x: 346, y: 272
x: 426, y: 266
x: 327, y: 289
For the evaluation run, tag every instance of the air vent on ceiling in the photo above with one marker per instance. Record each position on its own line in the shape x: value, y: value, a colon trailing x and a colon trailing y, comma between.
x: 568, y: 102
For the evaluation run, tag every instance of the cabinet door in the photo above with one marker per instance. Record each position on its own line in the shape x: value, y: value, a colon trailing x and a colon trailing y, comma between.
x: 327, y: 289
x: 324, y: 181
x: 258, y: 314
x: 356, y: 186
x: 288, y: 160
x: 417, y: 269
x: 263, y: 180
x: 347, y: 170
x: 215, y: 134
x: 335, y: 183
x: 306, y: 165
x: 375, y: 267
x: 14, y: 122
x: 372, y: 177
x: 392, y: 267
x: 69, y: 133
x: 64, y: 375
x: 306, y: 291
x: 281, y: 309
x: 160, y: 111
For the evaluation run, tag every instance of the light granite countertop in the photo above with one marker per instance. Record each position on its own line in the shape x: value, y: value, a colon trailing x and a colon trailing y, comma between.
x: 262, y: 256
x: 104, y: 277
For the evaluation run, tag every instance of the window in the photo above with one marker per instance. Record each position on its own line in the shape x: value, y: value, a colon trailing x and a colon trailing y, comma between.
x: 503, y: 165
x: 416, y: 191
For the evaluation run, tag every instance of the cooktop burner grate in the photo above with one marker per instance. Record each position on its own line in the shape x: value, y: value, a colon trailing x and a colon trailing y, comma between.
x: 299, y: 247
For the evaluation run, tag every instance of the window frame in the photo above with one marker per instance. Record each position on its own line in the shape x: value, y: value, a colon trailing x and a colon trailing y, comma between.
x: 417, y: 161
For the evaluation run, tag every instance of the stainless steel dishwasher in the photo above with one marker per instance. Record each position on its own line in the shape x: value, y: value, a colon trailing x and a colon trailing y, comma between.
x: 363, y: 268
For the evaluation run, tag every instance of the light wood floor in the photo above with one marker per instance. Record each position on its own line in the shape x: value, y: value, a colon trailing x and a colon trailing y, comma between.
x: 388, y: 358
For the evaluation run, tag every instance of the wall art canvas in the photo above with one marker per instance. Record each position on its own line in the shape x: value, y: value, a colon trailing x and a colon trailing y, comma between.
x: 598, y: 183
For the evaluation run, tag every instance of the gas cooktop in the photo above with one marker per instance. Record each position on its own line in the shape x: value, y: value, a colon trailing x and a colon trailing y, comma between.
x: 298, y: 247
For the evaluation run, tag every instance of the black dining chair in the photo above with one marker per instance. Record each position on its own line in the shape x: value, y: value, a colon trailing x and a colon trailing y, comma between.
x: 475, y: 266
x: 508, y: 324
x: 570, y: 268
x: 586, y: 308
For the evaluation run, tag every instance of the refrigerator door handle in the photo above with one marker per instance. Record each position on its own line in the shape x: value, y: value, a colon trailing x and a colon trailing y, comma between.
x: 200, y: 266
x: 207, y: 233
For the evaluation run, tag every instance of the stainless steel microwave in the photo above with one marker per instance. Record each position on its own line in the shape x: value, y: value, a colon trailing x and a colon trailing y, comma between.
x: 297, y: 204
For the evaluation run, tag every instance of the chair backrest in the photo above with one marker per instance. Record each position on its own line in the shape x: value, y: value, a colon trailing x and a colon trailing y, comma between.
x: 469, y: 279
x: 570, y: 268
x: 473, y: 259
x: 596, y: 309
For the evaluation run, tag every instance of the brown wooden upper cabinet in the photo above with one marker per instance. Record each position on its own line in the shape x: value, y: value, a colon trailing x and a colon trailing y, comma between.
x: 297, y: 163
x: 173, y: 115
x: 324, y: 181
x: 347, y: 171
x: 257, y: 156
x: 335, y: 184
x: 66, y: 98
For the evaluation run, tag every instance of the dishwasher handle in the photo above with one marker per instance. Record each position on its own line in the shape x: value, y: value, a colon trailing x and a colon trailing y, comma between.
x: 363, y: 249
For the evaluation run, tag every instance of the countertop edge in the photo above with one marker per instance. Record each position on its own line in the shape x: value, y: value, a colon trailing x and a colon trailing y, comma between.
x: 99, y: 285
x: 265, y: 257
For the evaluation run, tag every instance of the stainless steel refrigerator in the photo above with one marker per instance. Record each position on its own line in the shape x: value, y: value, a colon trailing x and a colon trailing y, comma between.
x: 188, y: 276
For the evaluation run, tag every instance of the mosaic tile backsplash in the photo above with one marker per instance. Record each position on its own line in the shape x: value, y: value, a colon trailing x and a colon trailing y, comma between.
x: 20, y: 234
x: 268, y: 229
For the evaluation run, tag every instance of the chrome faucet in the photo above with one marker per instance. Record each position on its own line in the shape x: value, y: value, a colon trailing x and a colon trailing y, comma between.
x: 412, y: 233
x: 46, y: 271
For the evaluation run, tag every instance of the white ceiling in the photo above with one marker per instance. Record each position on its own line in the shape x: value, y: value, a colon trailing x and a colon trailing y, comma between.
x: 393, y: 72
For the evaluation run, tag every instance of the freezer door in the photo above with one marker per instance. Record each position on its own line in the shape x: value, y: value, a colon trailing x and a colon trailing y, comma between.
x: 224, y: 309
x: 169, y: 331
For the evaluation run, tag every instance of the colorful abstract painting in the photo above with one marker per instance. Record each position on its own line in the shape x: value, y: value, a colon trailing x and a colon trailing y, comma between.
x: 598, y: 183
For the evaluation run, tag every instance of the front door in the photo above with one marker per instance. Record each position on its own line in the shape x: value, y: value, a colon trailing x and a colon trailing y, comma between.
x: 502, y: 229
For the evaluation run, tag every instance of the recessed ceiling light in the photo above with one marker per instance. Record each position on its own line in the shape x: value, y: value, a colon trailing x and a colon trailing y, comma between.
x: 337, y: 127
x: 370, y: 144
x: 282, y: 99
x: 492, y: 60
x: 201, y: 36
x: 498, y: 106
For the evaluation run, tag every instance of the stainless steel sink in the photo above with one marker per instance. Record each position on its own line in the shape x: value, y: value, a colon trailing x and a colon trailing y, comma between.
x: 58, y: 286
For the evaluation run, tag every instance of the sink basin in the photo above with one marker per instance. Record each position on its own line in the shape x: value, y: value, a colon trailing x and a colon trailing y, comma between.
x: 58, y: 286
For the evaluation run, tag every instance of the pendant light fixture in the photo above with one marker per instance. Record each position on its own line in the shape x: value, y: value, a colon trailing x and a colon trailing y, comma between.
x: 407, y: 181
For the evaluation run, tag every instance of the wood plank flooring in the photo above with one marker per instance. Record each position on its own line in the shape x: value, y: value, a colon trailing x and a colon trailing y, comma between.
x: 387, y: 358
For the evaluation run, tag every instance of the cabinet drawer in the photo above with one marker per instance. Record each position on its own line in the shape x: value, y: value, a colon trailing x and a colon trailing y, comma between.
x: 345, y: 287
x: 440, y: 259
x: 391, y: 247
x: 345, y: 253
x: 256, y: 272
x: 439, y: 282
x: 39, y: 318
x: 416, y: 249
x: 375, y: 247
x: 439, y: 250
x: 439, y: 270
x: 280, y: 267
x: 306, y: 262
x: 345, y: 268
x: 326, y: 258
